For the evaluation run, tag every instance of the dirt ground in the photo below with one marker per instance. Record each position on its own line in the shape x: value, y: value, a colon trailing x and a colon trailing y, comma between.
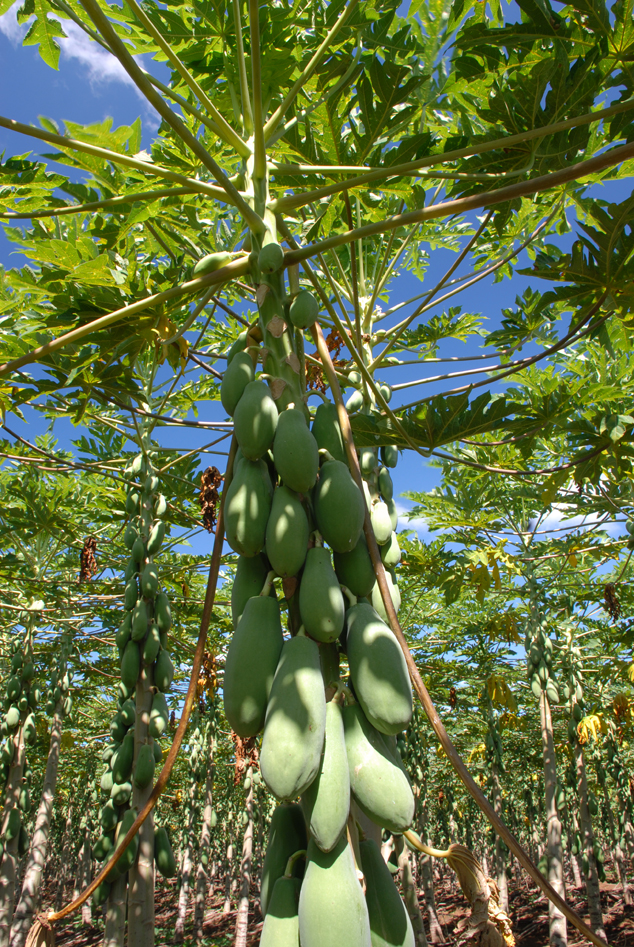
x: 529, y: 914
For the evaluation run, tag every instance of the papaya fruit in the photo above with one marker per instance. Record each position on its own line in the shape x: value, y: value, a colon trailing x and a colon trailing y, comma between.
x: 386, y: 391
x: 157, y: 750
x: 13, y: 824
x: 377, y: 600
x: 304, y: 309
x: 295, y: 451
x: 130, y: 664
x: 163, y: 671
x: 123, y: 634
x: 149, y: 580
x: 354, y: 402
x: 379, y: 785
x: 12, y: 718
x: 139, y: 551
x: 159, y: 715
x: 101, y: 893
x: 120, y: 793
x: 281, y: 924
x: 163, y: 854
x: 238, y: 375
x: 122, y: 759
x: 247, y: 507
x: 128, y: 712
x: 286, y: 533
x: 389, y: 455
x: 390, y: 925
x: 295, y: 721
x: 355, y: 570
x: 211, y: 262
x: 327, y: 432
x: 338, y: 506
x: 128, y: 855
x: 139, y: 621
x: 251, y: 573
x: 270, y: 258
x: 386, y: 487
x: 152, y: 644
x: 367, y: 460
x: 326, y: 802
x: 144, y: 766
x: 287, y: 835
x: 321, y: 604
x: 108, y: 817
x: 391, y: 552
x: 378, y: 670
x: 255, y: 420
x: 155, y: 540
x: 117, y: 729
x: 332, y: 908
x: 239, y: 345
x: 163, y: 612
x: 102, y: 846
x: 381, y: 522
x: 250, y: 666
x: 131, y: 593
x: 391, y: 508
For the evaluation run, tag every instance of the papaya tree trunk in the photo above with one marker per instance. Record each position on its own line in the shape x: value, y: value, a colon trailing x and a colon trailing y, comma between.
x: 64, y: 860
x: 587, y: 837
x: 202, y: 878
x: 500, y: 855
x: 557, y: 922
x: 114, y: 934
x: 228, y: 873
x: 141, y: 875
x: 435, y: 929
x: 86, y: 908
x: 619, y: 860
x: 242, y: 920
x: 36, y: 859
x: 8, y: 869
x: 410, y: 894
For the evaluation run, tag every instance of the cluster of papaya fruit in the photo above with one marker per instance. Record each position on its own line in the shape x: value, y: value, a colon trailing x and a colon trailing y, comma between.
x: 291, y: 507
x: 539, y: 660
x: 18, y: 724
x: 142, y: 645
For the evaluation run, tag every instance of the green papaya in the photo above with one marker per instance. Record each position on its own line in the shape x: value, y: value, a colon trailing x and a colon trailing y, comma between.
x: 163, y: 612
x: 379, y: 785
x: 390, y: 925
x: 163, y: 671
x: 155, y: 541
x: 139, y: 621
x: 378, y: 670
x: 355, y: 570
x: 128, y: 856
x: 163, y: 854
x: 131, y: 593
x: 159, y: 715
x: 389, y: 455
x: 250, y: 666
x: 255, y: 420
x: 239, y: 374
x: 138, y: 550
x: 249, y: 579
x: 377, y: 599
x: 130, y: 664
x: 304, y: 309
x: 23, y: 842
x: 367, y: 460
x: 286, y: 533
x: 117, y: 729
x: 101, y: 893
x: 120, y: 793
x: 354, y: 402
x: 270, y: 258
x: 321, y: 604
x: 332, y: 909
x: 247, y: 507
x: 152, y: 644
x: 326, y: 802
x: 239, y: 345
x: 327, y: 432
x: 295, y: 451
x: 144, y: 766
x: 122, y: 759
x: 102, y: 847
x: 287, y: 835
x: 386, y: 391
x: 149, y: 580
x: 157, y: 750
x: 391, y: 508
x: 391, y: 552
x: 386, y: 487
x: 381, y: 522
x: 211, y: 262
x: 13, y: 824
x: 29, y: 731
x: 338, y: 505
x: 295, y: 721
x: 12, y: 718
x: 281, y: 924
x: 108, y: 817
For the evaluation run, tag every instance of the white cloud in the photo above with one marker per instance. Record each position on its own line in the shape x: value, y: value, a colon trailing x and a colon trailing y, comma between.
x: 418, y: 525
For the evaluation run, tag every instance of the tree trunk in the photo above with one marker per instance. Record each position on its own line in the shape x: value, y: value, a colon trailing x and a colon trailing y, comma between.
x: 242, y: 920
x: 619, y: 860
x: 557, y: 921
x: 228, y: 872
x: 202, y: 878
x: 500, y: 855
x: 114, y: 934
x: 141, y: 875
x: 435, y: 929
x: 36, y: 859
x: 86, y: 908
x: 410, y: 894
x: 8, y: 869
x: 587, y: 837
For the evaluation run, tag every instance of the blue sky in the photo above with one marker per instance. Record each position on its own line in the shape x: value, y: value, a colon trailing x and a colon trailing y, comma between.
x: 89, y: 86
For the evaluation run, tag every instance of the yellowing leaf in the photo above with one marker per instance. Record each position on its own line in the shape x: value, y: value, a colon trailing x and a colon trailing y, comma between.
x: 590, y: 726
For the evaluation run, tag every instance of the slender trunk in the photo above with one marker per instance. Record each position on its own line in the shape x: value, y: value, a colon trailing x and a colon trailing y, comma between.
x: 587, y: 837
x: 410, y: 894
x: 141, y: 875
x: 557, y: 921
x: 619, y: 860
x: 86, y: 908
x: 8, y: 869
x: 576, y: 871
x: 31, y: 886
x: 114, y: 934
x: 64, y: 861
x: 204, y: 846
x: 500, y: 856
x: 435, y: 929
x: 229, y: 871
x: 242, y: 920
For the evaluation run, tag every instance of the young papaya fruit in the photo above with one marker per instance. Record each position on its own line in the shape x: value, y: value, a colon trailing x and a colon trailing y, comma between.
x: 120, y: 793
x: 391, y: 508
x: 286, y: 533
x: 377, y: 600
x: 163, y: 854
x: 250, y: 576
x: 159, y: 715
x: 144, y: 766
x: 101, y: 893
x: 355, y: 570
x: 128, y: 712
x: 152, y: 644
x: 389, y: 455
x: 128, y: 856
x: 239, y: 374
x: 130, y: 664
x: 102, y: 846
x: 378, y: 670
x: 295, y: 451
x: 379, y: 785
x: 247, y: 507
x: 122, y: 759
x: 386, y: 487
x: 211, y: 262
x: 108, y: 816
x: 139, y: 621
x: 295, y: 721
x: 332, y: 908
x: 149, y: 580
x: 367, y: 460
x: 131, y: 593
x: 255, y: 420
x: 155, y: 540
x: 287, y: 835
x: 321, y: 604
x: 390, y: 925
x: 13, y: 824
x: 270, y: 258
x: 381, y: 522
x: 163, y: 612
x: 304, y: 309
x: 354, y: 402
x: 391, y: 552
x: 327, y: 432
x: 163, y: 671
x: 281, y: 924
x: 239, y: 345
x: 326, y: 802
x: 250, y: 666
x: 338, y: 506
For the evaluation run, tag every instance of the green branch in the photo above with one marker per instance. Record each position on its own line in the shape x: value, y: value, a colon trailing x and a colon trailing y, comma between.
x: 247, y: 114
x: 126, y: 199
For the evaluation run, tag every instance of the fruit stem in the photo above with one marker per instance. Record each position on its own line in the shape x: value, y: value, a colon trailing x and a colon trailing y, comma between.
x: 325, y: 454
x: 352, y: 598
x: 290, y: 864
x: 266, y: 588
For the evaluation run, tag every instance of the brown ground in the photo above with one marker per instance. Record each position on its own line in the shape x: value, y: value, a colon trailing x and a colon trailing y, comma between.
x: 529, y: 914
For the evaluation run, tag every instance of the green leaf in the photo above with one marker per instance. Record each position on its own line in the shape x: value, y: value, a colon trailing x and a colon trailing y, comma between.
x: 43, y: 31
